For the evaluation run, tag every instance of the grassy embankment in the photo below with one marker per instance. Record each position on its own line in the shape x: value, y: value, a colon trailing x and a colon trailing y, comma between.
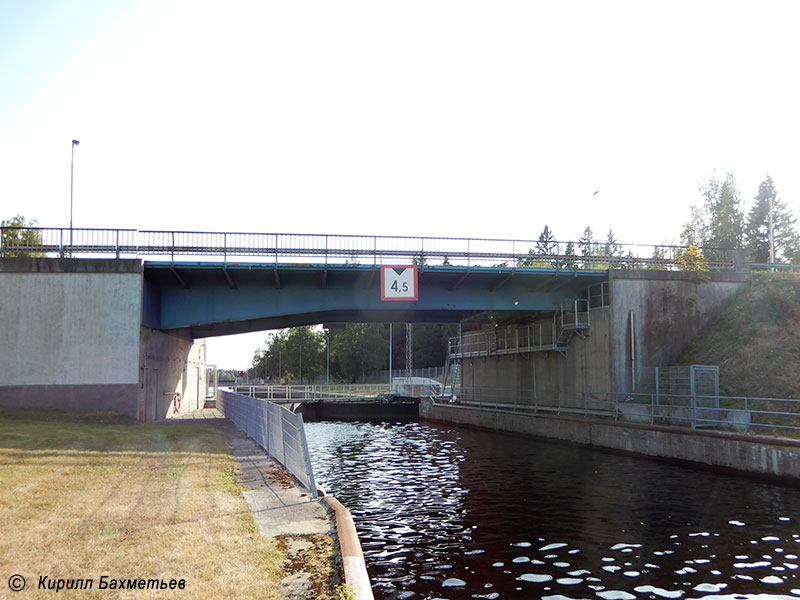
x: 755, y: 341
x: 85, y: 495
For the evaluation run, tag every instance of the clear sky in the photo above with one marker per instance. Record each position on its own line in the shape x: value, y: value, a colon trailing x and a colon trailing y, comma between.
x: 437, y: 118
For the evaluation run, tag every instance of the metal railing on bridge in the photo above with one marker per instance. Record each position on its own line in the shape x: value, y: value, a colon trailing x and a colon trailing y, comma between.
x: 290, y: 248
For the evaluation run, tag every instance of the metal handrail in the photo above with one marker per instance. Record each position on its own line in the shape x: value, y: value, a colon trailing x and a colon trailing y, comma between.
x: 738, y: 413
x: 308, y: 393
x: 292, y: 247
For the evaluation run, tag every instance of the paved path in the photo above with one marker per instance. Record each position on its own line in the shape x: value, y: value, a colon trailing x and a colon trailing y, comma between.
x: 280, y: 506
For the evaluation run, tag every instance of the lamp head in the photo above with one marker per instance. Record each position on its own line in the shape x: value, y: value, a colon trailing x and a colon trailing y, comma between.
x: 75, y: 142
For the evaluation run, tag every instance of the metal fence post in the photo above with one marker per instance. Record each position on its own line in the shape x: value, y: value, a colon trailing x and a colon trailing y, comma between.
x: 312, y: 484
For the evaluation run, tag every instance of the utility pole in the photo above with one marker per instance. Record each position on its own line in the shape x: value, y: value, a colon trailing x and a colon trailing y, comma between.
x: 327, y: 357
x: 409, y: 350
x: 771, y: 235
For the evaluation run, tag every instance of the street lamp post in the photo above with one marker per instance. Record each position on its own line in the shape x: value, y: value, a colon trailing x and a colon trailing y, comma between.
x: 71, y: 179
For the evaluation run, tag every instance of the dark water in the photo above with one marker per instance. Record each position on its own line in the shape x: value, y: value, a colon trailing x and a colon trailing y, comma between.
x: 452, y: 513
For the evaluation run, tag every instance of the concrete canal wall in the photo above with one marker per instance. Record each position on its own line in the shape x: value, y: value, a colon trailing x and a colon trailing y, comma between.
x: 646, y: 321
x: 748, y: 454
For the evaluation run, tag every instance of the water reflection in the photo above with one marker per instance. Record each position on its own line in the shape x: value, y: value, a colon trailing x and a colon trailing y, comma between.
x: 452, y: 513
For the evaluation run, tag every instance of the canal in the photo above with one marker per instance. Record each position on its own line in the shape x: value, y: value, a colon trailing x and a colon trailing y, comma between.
x: 452, y: 513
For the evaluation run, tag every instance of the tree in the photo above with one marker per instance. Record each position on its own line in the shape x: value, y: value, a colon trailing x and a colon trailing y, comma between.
x: 547, y: 244
x: 431, y: 342
x: 723, y: 213
x: 18, y: 236
x: 612, y: 247
x: 300, y: 351
x: 541, y: 255
x: 693, y: 231
x: 659, y: 258
x: 587, y: 245
x: 570, y: 261
x: 358, y: 349
x: 784, y: 226
x: 692, y: 259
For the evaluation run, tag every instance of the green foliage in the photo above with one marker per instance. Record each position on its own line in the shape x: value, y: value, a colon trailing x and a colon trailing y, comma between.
x: 299, y: 352
x: 540, y: 256
x: 724, y: 220
x: 755, y: 340
x: 587, y: 244
x: 784, y: 226
x: 570, y: 259
x: 343, y: 592
x: 18, y: 235
x: 612, y: 247
x: 358, y: 349
x: 692, y: 259
x: 430, y: 343
x: 693, y: 231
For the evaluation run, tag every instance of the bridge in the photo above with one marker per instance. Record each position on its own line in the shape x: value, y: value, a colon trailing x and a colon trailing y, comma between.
x: 256, y: 281
x: 114, y: 313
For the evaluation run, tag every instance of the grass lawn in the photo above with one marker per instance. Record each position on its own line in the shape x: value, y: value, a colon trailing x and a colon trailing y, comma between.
x: 83, y: 495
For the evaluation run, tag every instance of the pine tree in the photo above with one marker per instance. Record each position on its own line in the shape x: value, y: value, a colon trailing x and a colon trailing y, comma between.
x: 587, y: 245
x: 784, y: 226
x: 723, y: 213
x: 587, y: 242
x: 612, y: 246
x: 570, y: 261
x: 547, y: 244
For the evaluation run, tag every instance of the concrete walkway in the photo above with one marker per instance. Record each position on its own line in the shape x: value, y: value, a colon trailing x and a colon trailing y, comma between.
x: 280, y: 506
x: 203, y: 414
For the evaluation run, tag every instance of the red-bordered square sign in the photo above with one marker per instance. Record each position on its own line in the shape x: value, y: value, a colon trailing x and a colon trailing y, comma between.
x: 399, y: 282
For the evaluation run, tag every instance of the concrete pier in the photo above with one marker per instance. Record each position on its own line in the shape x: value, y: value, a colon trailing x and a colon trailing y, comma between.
x: 73, y: 337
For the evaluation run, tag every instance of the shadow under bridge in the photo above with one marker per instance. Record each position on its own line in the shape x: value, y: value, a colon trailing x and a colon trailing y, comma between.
x: 212, y: 299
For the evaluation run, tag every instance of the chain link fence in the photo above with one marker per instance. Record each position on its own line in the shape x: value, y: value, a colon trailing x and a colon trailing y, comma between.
x: 276, y: 429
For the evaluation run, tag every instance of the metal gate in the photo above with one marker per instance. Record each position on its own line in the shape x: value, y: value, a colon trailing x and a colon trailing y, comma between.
x: 697, y: 385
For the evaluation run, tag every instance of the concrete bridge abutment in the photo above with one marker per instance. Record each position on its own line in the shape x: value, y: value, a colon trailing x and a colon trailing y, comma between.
x: 72, y: 337
x: 645, y: 321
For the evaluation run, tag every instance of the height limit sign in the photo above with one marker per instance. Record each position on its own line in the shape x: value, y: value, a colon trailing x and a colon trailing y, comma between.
x: 399, y: 283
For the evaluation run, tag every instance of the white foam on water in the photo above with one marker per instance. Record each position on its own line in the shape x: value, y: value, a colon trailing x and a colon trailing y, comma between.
x: 710, y: 587
x: 549, y: 547
x: 625, y: 546
x: 649, y: 589
x: 535, y: 577
x: 616, y: 595
x: 752, y: 565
